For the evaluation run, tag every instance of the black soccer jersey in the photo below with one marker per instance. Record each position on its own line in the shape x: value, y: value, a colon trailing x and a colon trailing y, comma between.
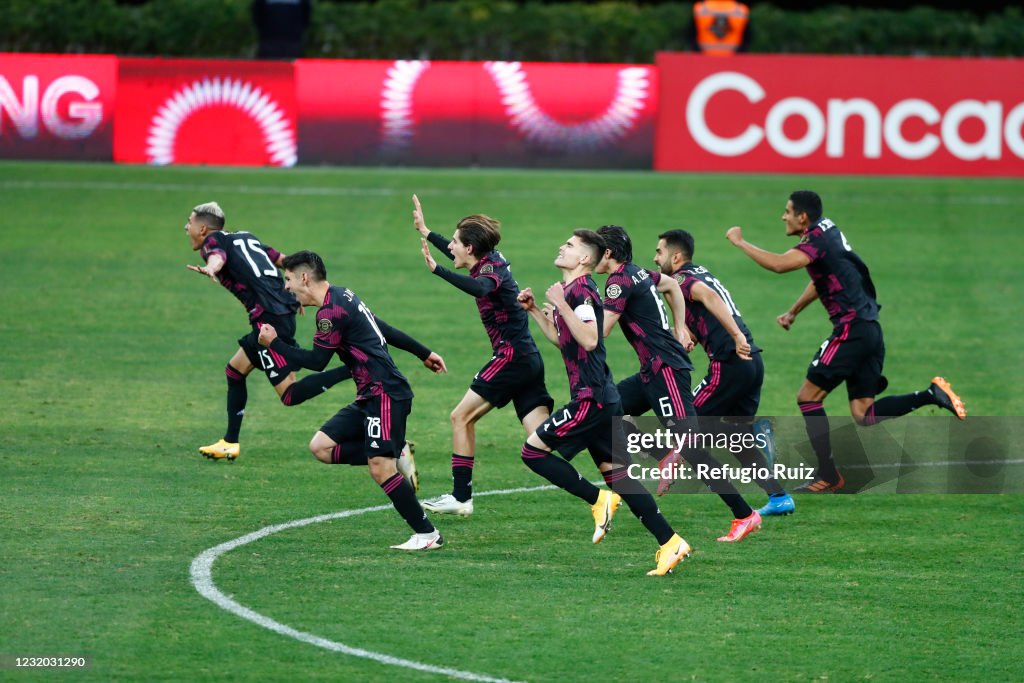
x: 345, y: 325
x: 249, y: 272
x: 589, y: 376
x: 840, y: 277
x: 491, y: 283
x: 709, y: 333
x: 631, y: 291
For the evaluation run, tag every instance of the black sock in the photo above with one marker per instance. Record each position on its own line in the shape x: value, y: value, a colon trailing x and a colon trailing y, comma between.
x: 237, y: 397
x: 559, y: 472
x: 641, y: 503
x: 462, y: 477
x: 723, y: 487
x: 404, y: 499
x: 816, y: 424
x: 349, y: 453
x: 754, y: 459
x: 895, y: 406
x: 313, y: 385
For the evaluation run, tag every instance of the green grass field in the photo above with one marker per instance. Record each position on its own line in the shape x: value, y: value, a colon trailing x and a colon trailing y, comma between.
x: 114, y: 375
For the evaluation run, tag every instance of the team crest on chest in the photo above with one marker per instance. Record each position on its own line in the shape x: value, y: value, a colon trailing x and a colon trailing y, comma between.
x: 613, y: 291
x: 487, y: 269
x: 680, y: 278
x: 324, y: 325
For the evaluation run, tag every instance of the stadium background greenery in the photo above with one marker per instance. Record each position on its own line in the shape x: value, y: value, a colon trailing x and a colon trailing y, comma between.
x: 500, y: 29
x: 113, y: 377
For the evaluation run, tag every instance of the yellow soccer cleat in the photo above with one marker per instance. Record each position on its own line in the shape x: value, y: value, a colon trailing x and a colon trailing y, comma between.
x: 603, y: 510
x: 669, y: 555
x: 220, y: 450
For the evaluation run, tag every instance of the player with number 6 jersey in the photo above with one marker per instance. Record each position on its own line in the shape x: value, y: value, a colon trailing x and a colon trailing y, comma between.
x: 247, y: 268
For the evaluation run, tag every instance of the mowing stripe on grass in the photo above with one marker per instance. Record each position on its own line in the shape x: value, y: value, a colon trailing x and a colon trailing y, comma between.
x: 202, y: 578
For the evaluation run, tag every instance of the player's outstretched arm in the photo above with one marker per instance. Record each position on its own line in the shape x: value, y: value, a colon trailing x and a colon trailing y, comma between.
x: 792, y: 259
x: 316, y: 358
x: 809, y: 294
x: 474, y: 286
x: 212, y: 267
x: 400, y: 340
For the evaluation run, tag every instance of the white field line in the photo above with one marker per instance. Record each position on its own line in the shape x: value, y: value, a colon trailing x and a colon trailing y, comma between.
x: 667, y: 194
x: 202, y: 578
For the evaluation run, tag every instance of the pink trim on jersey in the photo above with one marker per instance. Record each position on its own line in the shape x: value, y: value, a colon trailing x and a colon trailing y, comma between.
x: 392, y: 483
x: 833, y: 346
x: 580, y: 415
x: 500, y: 362
x: 279, y: 360
x: 673, y: 392
x: 385, y: 417
x: 704, y: 394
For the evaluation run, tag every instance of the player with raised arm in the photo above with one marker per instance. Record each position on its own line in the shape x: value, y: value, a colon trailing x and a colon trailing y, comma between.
x: 663, y: 383
x: 247, y: 268
x: 574, y: 321
x: 731, y: 390
x: 855, y: 351
x: 515, y: 372
x: 371, y: 429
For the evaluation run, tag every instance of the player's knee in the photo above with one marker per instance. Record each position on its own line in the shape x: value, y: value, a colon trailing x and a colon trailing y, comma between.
x: 233, y: 375
x: 320, y: 451
x: 531, y: 454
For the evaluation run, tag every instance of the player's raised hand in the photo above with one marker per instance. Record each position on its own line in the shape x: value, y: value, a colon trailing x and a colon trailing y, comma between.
x: 417, y: 218
x: 425, y: 248
x: 435, y: 363
x: 555, y: 294
x: 526, y: 300
x: 786, y: 320
x: 267, y: 334
x: 734, y: 234
x: 203, y: 270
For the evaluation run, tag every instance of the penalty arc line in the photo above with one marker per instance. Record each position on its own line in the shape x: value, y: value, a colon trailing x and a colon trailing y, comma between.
x: 201, y: 572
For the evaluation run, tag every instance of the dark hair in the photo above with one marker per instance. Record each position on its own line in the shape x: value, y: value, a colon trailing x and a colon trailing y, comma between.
x: 480, y: 232
x: 617, y: 239
x: 805, y: 201
x: 309, y: 260
x: 592, y: 240
x: 679, y: 239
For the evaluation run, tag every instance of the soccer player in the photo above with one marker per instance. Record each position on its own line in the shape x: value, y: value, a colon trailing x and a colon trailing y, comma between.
x: 663, y: 383
x: 247, y: 268
x: 732, y: 387
x: 515, y: 372
x: 573, y: 320
x: 372, y: 429
x: 855, y: 351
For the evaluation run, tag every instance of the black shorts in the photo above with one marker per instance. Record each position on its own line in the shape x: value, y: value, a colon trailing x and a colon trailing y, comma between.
x: 580, y: 425
x: 272, y: 363
x: 666, y: 392
x: 855, y: 354
x: 379, y: 421
x: 732, y: 388
x: 512, y: 377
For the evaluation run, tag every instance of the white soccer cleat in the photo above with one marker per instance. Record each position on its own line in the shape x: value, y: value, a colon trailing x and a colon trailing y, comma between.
x: 430, y: 541
x: 448, y: 505
x: 406, y: 465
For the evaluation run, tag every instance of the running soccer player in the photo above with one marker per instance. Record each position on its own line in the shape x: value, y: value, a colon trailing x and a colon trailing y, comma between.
x: 247, y: 268
x: 573, y: 320
x: 732, y: 387
x: 515, y: 372
x: 371, y: 429
x: 663, y: 383
x: 854, y: 353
